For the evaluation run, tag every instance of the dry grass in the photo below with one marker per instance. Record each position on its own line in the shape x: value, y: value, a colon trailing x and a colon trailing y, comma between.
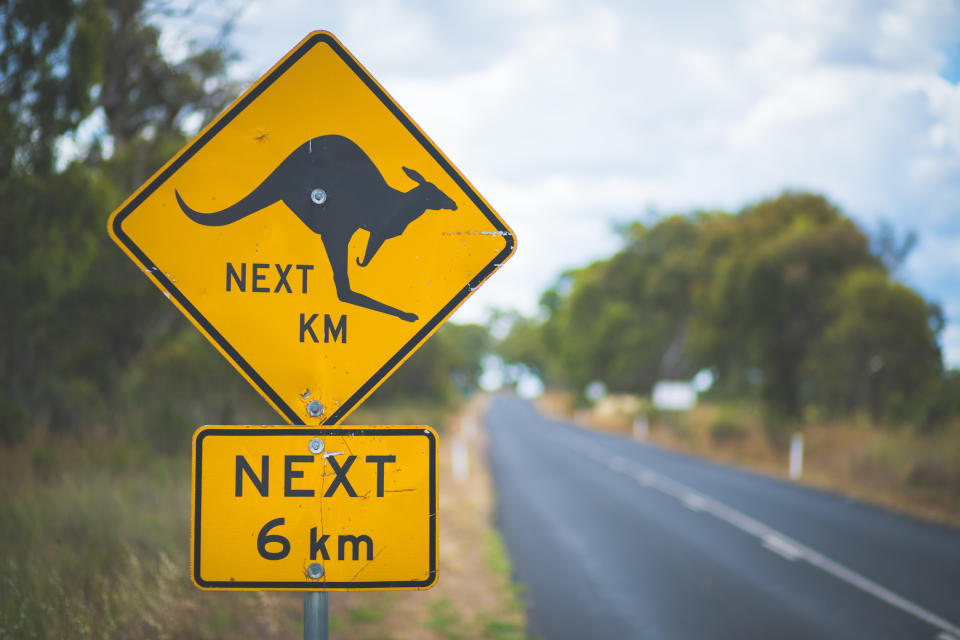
x: 94, y: 543
x: 474, y: 597
x: 903, y: 470
x: 95, y: 552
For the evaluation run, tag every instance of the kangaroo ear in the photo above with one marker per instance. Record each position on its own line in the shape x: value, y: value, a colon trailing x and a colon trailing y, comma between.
x: 416, y: 177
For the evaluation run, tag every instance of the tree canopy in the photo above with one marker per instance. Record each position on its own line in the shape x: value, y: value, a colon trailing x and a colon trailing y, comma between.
x: 81, y: 316
x: 784, y: 301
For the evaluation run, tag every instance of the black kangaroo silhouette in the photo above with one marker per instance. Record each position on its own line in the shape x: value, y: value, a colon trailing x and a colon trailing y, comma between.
x: 335, y: 189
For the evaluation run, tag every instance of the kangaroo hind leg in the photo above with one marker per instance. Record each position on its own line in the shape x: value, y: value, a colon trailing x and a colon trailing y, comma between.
x: 336, y: 247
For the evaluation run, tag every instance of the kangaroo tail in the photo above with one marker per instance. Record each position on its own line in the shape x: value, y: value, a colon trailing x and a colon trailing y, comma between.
x: 373, y: 245
x: 255, y: 201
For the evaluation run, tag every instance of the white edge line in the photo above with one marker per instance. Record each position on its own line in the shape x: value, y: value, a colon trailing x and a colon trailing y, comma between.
x: 781, y: 547
x: 689, y: 497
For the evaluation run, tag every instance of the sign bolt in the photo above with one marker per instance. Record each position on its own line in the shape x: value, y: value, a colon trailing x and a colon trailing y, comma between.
x: 315, y: 570
x: 318, y: 195
x: 316, y: 445
x: 314, y: 409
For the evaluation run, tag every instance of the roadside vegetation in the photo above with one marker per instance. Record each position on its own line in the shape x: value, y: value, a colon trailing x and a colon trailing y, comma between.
x: 95, y: 542
x: 796, y: 319
x: 912, y: 472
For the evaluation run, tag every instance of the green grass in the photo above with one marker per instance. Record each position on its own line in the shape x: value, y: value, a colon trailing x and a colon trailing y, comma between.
x: 497, y: 558
x: 92, y: 551
x: 363, y: 613
x: 503, y: 630
x: 499, y: 562
x: 444, y: 619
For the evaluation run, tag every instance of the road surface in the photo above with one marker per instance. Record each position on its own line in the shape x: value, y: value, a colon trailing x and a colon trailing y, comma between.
x: 614, y: 539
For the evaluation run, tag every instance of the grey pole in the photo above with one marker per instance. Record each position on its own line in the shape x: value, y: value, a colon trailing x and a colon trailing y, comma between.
x: 316, y: 615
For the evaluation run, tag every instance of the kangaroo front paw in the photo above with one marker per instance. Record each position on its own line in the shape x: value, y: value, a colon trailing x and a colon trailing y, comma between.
x: 409, y: 317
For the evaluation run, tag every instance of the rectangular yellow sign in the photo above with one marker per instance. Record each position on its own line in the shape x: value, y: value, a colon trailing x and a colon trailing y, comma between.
x: 347, y: 508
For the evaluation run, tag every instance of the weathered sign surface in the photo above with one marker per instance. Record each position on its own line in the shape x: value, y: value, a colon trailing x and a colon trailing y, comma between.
x: 313, y: 233
x: 314, y: 508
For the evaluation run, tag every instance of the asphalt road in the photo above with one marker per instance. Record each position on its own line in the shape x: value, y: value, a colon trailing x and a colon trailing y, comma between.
x: 614, y: 539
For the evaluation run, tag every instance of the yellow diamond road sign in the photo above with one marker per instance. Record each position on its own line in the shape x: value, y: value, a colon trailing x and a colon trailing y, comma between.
x: 313, y: 233
x: 312, y: 508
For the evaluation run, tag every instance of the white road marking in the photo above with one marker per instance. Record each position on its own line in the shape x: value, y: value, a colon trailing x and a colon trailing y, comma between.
x: 771, y: 539
x: 694, y: 501
x: 780, y: 547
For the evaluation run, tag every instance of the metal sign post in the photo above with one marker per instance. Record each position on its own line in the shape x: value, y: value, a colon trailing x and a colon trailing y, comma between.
x: 316, y: 615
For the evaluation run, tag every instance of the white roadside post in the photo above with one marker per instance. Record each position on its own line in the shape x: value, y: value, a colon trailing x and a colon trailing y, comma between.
x: 641, y: 427
x: 796, y: 456
x: 458, y: 444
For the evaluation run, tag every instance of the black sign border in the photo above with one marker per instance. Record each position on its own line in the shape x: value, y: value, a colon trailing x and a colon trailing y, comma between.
x: 314, y: 585
x: 381, y: 374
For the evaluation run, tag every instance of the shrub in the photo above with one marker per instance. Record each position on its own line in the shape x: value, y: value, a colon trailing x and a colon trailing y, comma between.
x: 725, y: 429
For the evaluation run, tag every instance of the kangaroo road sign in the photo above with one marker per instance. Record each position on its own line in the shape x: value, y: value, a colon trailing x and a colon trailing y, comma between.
x: 315, y: 509
x: 313, y: 233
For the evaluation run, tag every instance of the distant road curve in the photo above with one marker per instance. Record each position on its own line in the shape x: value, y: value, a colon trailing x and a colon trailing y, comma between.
x: 615, y: 539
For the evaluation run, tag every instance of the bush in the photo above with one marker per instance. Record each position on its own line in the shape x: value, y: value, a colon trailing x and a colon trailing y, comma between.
x: 726, y: 429
x: 13, y: 424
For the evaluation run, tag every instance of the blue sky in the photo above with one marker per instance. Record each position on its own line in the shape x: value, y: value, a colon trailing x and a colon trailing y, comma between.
x: 570, y: 117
